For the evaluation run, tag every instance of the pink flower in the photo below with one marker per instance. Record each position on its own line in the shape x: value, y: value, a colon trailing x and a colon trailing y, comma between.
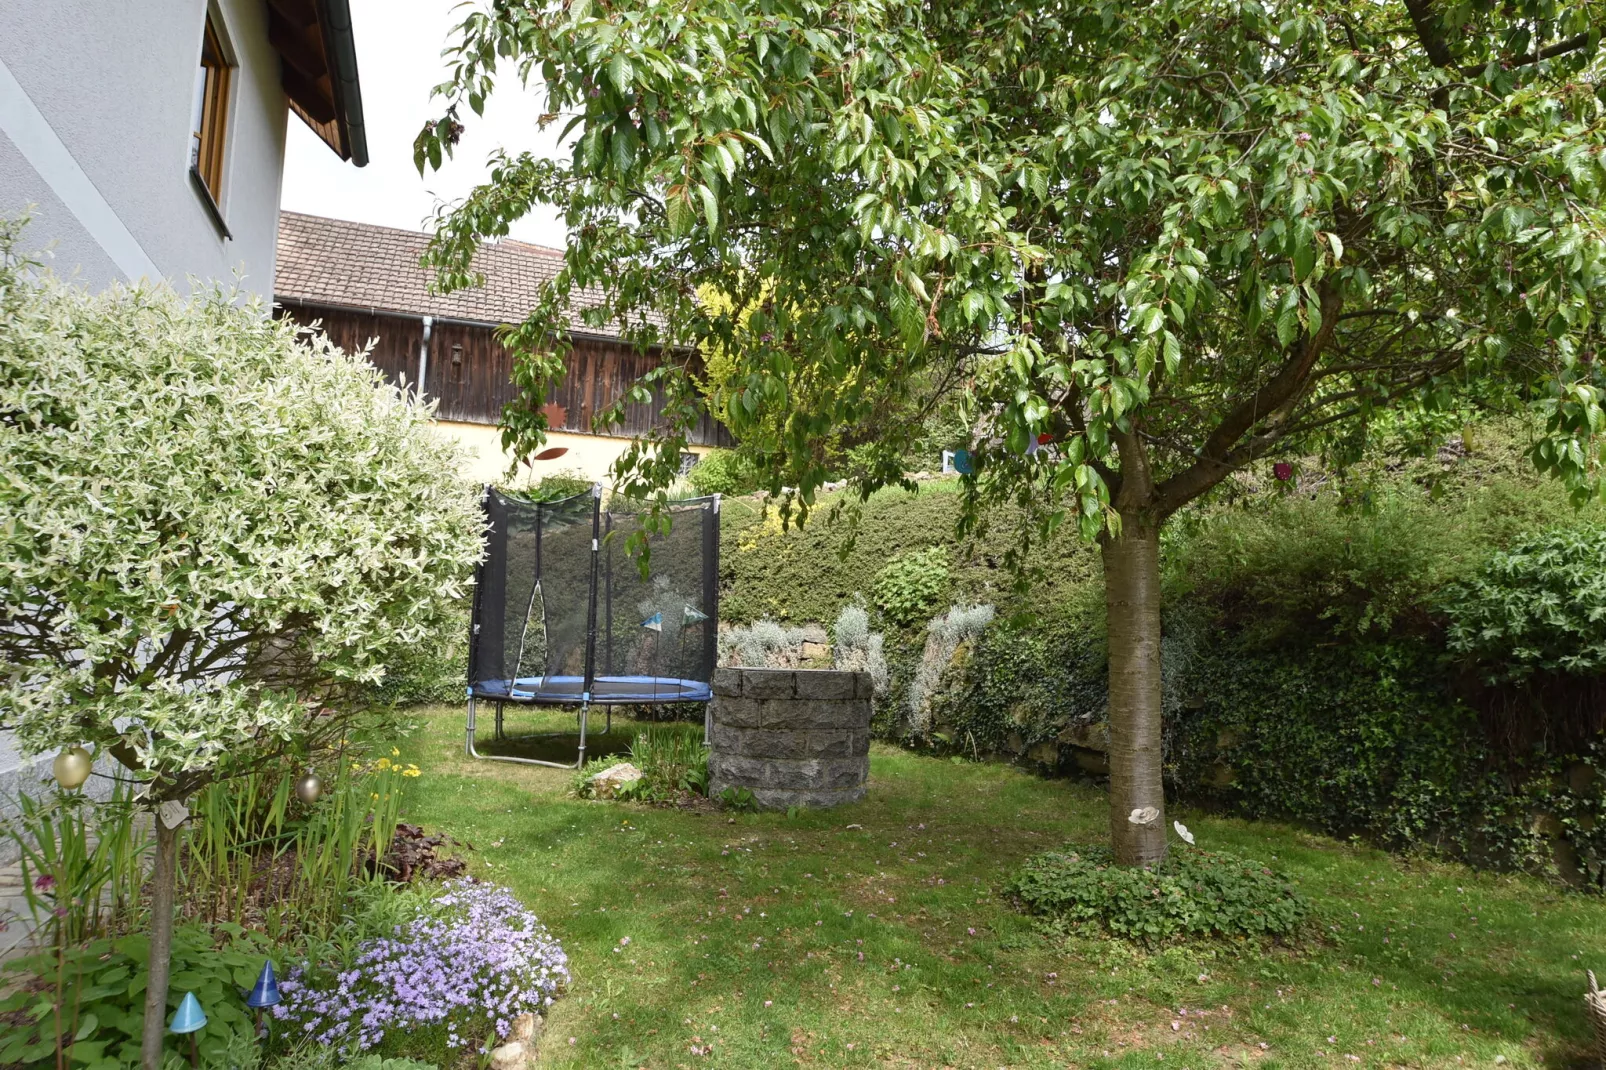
x: 44, y: 882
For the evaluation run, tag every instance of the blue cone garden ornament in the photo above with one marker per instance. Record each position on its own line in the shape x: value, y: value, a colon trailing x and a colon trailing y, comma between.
x: 189, y: 1018
x: 266, y: 991
x: 963, y: 463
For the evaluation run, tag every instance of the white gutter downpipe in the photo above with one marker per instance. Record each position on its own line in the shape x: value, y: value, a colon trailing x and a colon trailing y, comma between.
x: 423, y: 355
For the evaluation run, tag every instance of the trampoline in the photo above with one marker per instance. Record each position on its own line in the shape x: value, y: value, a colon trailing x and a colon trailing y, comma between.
x: 563, y: 615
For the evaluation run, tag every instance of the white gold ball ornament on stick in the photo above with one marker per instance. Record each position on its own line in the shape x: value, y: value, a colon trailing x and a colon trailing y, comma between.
x: 309, y: 787
x: 72, y: 767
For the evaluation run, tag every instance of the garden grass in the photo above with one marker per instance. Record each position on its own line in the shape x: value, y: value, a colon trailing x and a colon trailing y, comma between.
x: 875, y: 935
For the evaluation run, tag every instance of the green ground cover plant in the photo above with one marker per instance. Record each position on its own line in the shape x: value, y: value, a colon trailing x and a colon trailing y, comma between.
x: 1193, y: 893
x: 101, y: 984
x: 879, y: 934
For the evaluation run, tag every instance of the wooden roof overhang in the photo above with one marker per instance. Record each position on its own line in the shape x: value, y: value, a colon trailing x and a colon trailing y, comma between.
x: 318, y: 59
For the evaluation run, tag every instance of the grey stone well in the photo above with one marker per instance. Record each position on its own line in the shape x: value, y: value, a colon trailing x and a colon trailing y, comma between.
x: 793, y: 737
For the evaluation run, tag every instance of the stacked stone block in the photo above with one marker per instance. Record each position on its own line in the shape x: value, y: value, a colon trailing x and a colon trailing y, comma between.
x: 793, y: 737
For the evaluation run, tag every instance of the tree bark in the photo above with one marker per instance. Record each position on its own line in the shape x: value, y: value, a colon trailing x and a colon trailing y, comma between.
x: 164, y: 881
x: 1132, y: 602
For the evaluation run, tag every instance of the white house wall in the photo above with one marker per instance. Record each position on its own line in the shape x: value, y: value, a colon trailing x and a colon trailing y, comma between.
x: 114, y: 81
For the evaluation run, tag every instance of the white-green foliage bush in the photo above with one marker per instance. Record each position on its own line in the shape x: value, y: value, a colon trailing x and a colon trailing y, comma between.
x: 856, y: 648
x: 214, y: 523
x: 753, y: 645
x: 943, y: 636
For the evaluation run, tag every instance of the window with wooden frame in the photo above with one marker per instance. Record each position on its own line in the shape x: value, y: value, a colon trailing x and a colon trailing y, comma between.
x: 209, y: 117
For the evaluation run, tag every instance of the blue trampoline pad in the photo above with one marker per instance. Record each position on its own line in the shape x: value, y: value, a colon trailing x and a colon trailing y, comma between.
x: 605, y: 690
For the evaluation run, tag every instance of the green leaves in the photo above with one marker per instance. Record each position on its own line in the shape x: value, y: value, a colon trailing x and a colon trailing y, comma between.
x: 1192, y: 893
x: 104, y: 996
x: 1137, y: 231
x: 1539, y: 607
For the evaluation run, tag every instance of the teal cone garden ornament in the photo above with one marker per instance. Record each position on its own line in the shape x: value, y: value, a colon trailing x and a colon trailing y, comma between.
x: 189, y: 1018
x: 266, y: 991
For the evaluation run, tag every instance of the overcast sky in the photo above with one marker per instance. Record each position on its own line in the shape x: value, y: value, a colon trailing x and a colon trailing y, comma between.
x: 398, y: 61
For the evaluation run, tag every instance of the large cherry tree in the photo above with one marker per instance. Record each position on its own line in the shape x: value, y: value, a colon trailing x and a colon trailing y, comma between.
x: 1155, y: 241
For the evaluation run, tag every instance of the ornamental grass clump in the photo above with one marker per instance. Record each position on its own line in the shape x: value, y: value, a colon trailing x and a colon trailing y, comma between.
x: 461, y: 971
x: 1192, y: 893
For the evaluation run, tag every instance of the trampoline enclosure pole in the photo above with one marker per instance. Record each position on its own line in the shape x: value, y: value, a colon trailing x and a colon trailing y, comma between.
x: 580, y: 762
x: 591, y: 620
x: 468, y: 742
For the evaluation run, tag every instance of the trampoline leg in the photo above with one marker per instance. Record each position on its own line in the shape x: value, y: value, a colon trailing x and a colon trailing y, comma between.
x: 608, y: 731
x: 468, y: 744
x: 499, y: 732
x: 708, y: 723
x: 580, y: 762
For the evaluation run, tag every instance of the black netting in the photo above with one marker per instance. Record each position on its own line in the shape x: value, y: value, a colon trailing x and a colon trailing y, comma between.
x: 558, y: 615
x: 660, y: 629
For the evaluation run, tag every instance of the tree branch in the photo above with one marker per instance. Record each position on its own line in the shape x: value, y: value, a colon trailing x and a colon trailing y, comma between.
x: 1426, y: 24
x: 1292, y: 378
x: 1560, y: 48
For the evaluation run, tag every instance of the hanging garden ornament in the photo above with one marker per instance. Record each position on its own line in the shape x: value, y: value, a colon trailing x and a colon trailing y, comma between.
x: 1283, y: 471
x: 963, y: 463
x: 309, y: 787
x: 72, y: 767
x: 189, y: 1018
x: 265, y: 993
x: 654, y: 623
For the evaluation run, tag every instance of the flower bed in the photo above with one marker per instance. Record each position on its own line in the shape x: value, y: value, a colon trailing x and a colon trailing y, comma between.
x: 466, y: 967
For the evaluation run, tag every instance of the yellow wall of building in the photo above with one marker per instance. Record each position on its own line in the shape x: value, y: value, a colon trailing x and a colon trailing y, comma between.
x: 485, y: 462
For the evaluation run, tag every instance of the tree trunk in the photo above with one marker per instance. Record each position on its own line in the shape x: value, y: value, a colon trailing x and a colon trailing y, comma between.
x: 164, y: 880
x: 1132, y: 602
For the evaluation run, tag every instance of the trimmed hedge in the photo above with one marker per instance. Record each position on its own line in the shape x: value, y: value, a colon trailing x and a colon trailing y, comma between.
x: 807, y: 574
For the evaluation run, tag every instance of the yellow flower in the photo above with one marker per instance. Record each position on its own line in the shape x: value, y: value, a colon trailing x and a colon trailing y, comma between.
x: 384, y: 763
x: 394, y: 753
x: 411, y: 770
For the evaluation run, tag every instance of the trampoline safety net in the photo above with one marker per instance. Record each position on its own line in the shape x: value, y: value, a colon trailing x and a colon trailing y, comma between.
x: 563, y: 614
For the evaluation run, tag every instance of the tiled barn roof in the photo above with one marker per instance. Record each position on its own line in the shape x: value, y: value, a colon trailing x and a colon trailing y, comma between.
x: 361, y: 266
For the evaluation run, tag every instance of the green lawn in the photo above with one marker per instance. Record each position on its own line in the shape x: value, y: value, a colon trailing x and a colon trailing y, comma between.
x: 875, y: 935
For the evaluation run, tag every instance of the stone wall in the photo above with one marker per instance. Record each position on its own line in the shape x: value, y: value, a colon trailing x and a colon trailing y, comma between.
x: 793, y: 737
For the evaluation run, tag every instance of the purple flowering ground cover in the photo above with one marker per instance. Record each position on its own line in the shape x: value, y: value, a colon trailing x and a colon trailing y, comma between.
x: 461, y: 971
x: 877, y: 935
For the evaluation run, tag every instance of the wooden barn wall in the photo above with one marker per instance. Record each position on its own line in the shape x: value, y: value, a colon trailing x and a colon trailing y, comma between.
x: 396, y: 338
x: 470, y: 372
